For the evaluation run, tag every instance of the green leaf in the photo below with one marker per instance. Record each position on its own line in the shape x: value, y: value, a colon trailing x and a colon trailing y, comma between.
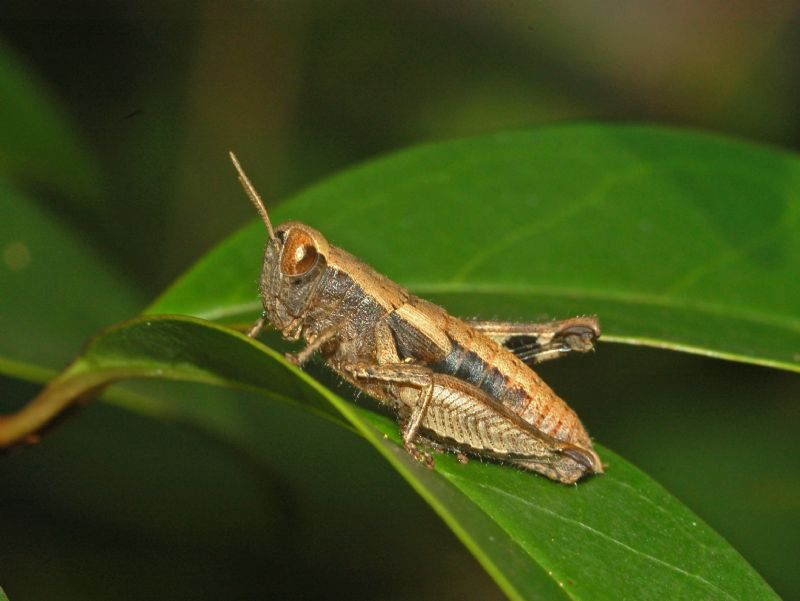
x: 678, y: 240
x: 63, y: 291
x: 615, y: 535
x: 3, y: 595
x: 37, y: 141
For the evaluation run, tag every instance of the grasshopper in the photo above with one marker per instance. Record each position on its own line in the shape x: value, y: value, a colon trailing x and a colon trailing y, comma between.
x: 464, y: 386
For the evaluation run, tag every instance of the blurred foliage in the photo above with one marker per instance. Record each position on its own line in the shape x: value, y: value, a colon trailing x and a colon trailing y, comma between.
x: 136, y: 108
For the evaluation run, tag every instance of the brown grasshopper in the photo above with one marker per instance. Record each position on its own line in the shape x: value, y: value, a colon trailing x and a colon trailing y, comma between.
x: 456, y: 385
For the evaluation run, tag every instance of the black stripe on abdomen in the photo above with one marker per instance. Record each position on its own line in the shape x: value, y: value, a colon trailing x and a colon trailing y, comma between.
x: 469, y: 367
x: 494, y: 383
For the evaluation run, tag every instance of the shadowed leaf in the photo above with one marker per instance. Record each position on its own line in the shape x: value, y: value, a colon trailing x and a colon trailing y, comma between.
x: 37, y: 142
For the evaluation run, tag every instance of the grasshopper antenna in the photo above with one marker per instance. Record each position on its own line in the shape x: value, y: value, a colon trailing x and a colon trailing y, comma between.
x: 253, y: 195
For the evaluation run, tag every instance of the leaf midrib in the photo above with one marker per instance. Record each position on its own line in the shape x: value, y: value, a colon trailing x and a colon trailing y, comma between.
x: 624, y: 296
x: 621, y: 296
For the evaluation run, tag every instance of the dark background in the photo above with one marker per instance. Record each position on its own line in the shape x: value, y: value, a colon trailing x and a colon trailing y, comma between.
x: 116, y: 506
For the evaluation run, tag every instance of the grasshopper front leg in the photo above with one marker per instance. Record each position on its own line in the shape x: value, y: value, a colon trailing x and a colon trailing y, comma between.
x: 259, y: 325
x: 304, y: 355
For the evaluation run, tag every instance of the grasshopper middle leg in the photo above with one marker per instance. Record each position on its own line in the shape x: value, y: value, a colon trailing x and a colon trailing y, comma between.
x: 404, y: 376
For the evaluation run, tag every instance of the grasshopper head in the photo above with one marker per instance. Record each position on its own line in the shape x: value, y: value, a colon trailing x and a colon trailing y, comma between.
x: 294, y: 261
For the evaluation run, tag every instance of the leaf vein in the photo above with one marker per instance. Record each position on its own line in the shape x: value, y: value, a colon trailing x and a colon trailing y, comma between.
x: 602, y: 535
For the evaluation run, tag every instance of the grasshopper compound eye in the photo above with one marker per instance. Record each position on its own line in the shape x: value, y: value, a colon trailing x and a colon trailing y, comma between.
x: 299, y: 253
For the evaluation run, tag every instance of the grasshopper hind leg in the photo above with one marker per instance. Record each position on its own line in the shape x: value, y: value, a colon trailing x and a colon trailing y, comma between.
x: 571, y: 465
x: 454, y: 415
x: 539, y: 342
